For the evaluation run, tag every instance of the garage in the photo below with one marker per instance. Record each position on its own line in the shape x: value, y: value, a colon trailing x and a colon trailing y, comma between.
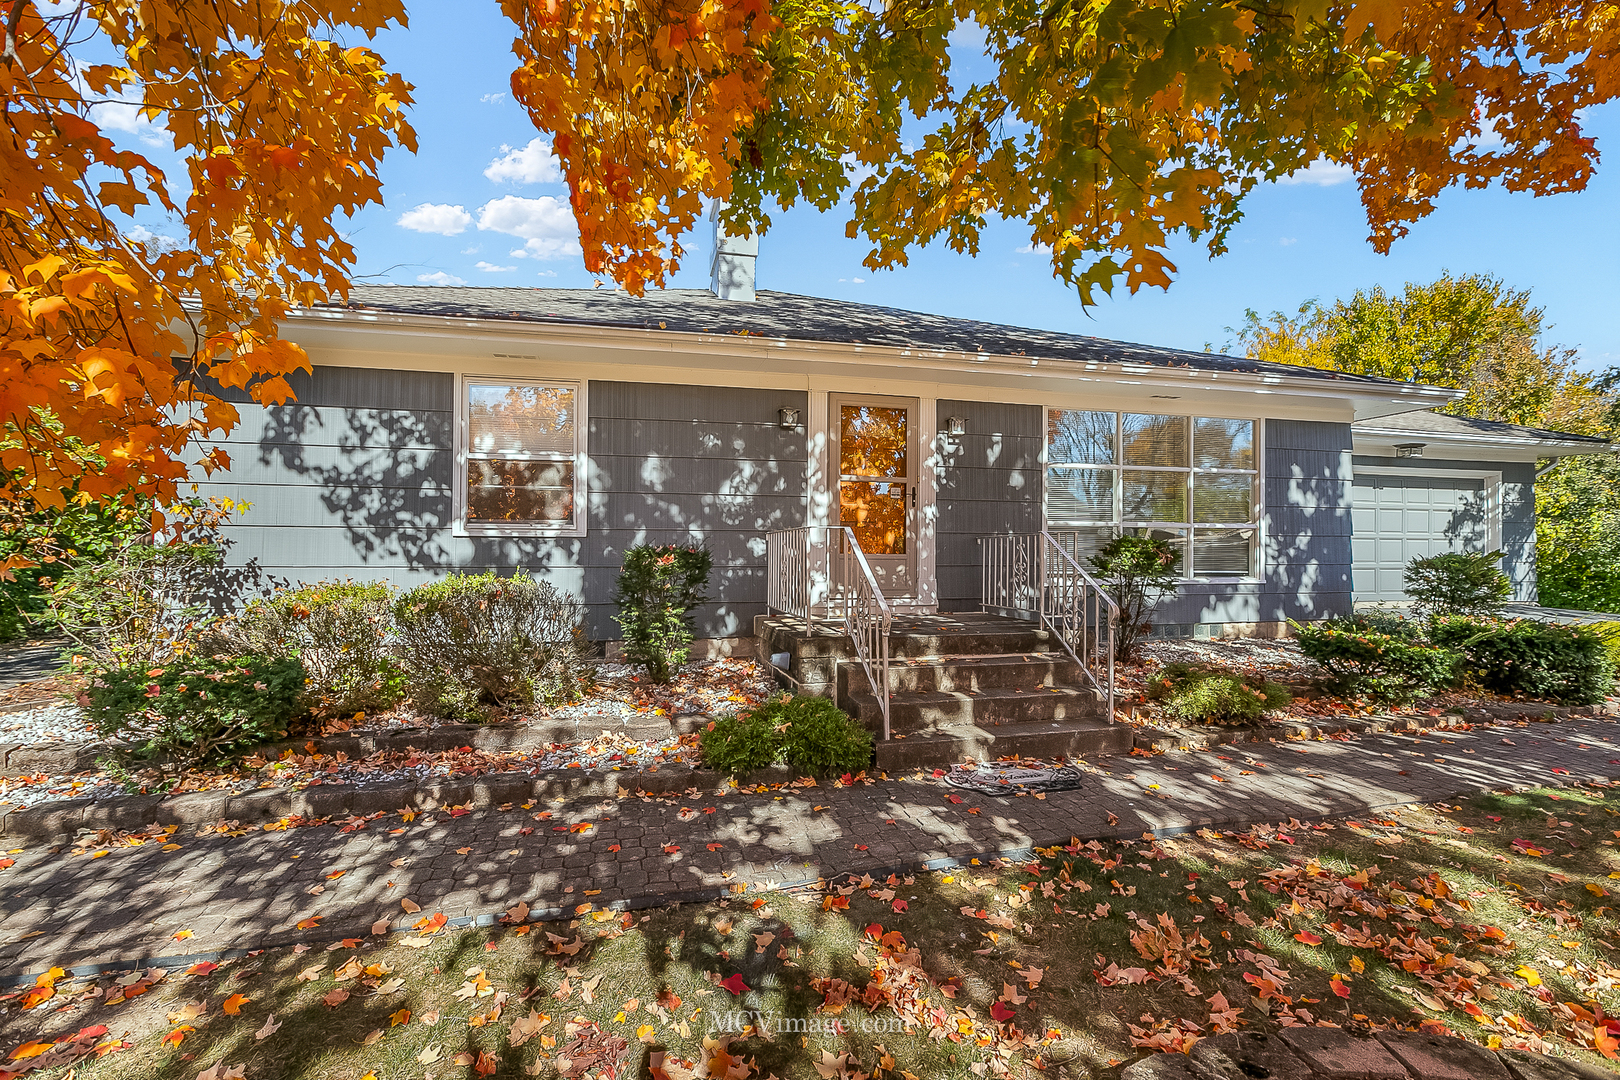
x: 1401, y: 515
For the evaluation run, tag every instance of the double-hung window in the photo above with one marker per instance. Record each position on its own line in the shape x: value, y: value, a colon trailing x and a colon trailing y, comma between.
x: 1190, y: 480
x: 522, y: 461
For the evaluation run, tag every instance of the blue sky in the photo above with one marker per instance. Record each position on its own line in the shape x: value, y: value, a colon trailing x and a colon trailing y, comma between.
x: 1298, y: 240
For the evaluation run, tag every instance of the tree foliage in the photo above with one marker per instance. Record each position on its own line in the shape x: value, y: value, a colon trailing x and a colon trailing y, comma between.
x: 1108, y: 127
x: 113, y: 345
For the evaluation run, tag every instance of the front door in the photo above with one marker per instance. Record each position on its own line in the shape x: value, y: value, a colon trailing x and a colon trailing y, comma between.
x: 874, y: 443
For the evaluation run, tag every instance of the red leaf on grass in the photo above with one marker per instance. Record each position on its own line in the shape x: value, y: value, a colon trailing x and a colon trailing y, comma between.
x: 1307, y: 937
x: 1001, y: 1012
x: 735, y: 984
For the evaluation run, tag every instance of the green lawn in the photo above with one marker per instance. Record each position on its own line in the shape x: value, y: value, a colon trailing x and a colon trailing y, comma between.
x: 1490, y: 919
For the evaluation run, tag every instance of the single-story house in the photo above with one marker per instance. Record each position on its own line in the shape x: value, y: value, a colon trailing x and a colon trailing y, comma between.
x: 547, y: 430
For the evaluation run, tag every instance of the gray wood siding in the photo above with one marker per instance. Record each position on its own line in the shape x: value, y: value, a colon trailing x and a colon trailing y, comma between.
x: 1305, y: 562
x: 354, y: 480
x: 988, y: 481
x: 1518, y: 510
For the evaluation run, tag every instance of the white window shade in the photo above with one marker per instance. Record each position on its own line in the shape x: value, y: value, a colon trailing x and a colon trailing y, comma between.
x: 517, y: 421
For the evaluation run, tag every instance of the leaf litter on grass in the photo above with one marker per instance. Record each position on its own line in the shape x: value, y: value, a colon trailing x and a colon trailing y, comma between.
x: 1091, y: 952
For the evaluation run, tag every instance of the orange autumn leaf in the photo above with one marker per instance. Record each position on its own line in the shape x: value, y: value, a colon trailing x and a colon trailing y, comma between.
x: 233, y: 1004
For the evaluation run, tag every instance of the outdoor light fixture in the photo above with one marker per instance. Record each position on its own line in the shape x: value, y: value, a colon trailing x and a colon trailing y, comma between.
x: 956, y: 425
x: 1409, y: 449
x: 787, y: 419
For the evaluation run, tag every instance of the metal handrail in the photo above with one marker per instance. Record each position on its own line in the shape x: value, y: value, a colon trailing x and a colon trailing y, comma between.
x: 1032, y: 575
x: 790, y: 588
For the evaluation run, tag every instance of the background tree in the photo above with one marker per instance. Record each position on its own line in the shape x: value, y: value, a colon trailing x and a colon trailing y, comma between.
x: 113, y: 344
x: 1475, y: 333
x: 1109, y: 128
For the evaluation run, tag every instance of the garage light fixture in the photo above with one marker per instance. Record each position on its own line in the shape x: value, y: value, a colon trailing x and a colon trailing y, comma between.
x: 1409, y: 449
x: 787, y: 419
x: 956, y: 425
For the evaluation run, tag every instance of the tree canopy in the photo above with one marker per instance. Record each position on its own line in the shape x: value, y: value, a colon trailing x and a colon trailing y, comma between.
x: 113, y: 347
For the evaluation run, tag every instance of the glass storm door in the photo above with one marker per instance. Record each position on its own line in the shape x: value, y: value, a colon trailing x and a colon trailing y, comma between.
x: 877, y: 484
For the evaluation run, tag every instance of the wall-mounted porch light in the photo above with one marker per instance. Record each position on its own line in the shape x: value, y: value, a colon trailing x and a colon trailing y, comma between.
x: 787, y: 419
x: 956, y: 425
x: 1409, y: 449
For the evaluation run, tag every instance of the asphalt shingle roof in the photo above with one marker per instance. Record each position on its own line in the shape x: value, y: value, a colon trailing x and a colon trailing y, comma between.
x: 802, y: 318
x: 1425, y: 422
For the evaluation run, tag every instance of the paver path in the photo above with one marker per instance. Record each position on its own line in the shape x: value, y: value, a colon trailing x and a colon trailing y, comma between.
x: 250, y: 891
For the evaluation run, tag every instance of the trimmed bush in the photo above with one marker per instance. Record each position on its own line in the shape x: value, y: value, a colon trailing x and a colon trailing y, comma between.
x: 1364, y: 663
x: 196, y: 709
x: 1457, y: 583
x: 340, y: 630
x: 1135, y: 571
x: 810, y: 735
x: 1571, y: 665
x: 1211, y: 694
x: 474, y: 641
x: 656, y: 592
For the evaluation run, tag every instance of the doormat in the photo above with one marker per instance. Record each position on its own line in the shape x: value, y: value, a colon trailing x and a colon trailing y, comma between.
x: 1012, y: 779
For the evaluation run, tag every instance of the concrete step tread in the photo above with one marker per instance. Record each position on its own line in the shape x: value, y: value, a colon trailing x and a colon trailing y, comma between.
x: 941, y: 697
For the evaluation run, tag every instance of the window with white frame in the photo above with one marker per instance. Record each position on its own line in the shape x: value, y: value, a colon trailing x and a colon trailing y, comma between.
x: 1190, y: 480
x: 520, y: 446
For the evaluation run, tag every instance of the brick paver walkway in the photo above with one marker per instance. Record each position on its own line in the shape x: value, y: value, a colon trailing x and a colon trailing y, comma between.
x: 248, y: 892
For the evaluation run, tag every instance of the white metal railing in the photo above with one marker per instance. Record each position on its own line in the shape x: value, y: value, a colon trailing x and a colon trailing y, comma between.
x: 848, y: 588
x: 1033, y: 576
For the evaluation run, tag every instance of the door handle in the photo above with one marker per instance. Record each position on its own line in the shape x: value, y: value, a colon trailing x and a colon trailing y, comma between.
x: 914, y: 496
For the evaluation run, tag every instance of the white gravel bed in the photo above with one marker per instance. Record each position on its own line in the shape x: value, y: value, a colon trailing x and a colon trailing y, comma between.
x: 58, y: 722
x: 1276, y: 657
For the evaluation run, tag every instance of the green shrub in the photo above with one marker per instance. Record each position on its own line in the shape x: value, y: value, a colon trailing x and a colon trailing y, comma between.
x: 1610, y: 633
x: 810, y: 735
x: 656, y: 592
x: 1381, y: 621
x: 195, y: 709
x: 1383, y: 667
x: 821, y: 739
x: 1211, y: 694
x: 140, y: 605
x: 1135, y: 571
x: 741, y: 744
x: 340, y: 630
x: 469, y: 641
x: 53, y: 540
x: 1568, y: 664
x: 1457, y: 583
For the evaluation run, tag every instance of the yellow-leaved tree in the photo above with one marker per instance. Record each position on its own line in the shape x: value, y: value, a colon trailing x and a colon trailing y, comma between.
x: 111, y: 340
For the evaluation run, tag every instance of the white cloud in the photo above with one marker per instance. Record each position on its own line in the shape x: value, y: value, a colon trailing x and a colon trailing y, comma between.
x: 439, y: 277
x: 438, y: 218
x: 1288, y: 241
x: 471, y: 250
x: 1322, y: 173
x: 1033, y: 248
x: 491, y: 268
x: 124, y: 115
x: 532, y: 164
x: 547, y: 273
x: 968, y: 36
x: 493, y: 99
x: 545, y: 224
x: 155, y: 242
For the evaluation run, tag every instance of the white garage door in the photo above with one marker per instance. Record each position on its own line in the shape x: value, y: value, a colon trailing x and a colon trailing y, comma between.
x: 1399, y: 518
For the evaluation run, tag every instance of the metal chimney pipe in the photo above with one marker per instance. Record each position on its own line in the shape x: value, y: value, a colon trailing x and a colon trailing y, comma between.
x: 731, y: 272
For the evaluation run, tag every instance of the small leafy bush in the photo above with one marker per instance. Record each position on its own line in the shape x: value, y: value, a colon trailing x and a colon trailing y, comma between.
x: 1457, y: 583
x: 741, y: 744
x: 656, y: 592
x: 810, y: 735
x: 1571, y: 665
x: 1211, y: 694
x: 340, y: 630
x: 1610, y: 633
x: 1364, y: 663
x: 138, y: 606
x: 1135, y: 571
x: 195, y: 709
x: 1382, y: 621
x: 471, y: 641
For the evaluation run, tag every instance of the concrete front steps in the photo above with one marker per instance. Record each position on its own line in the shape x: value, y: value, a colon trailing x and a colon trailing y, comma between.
x: 960, y: 686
